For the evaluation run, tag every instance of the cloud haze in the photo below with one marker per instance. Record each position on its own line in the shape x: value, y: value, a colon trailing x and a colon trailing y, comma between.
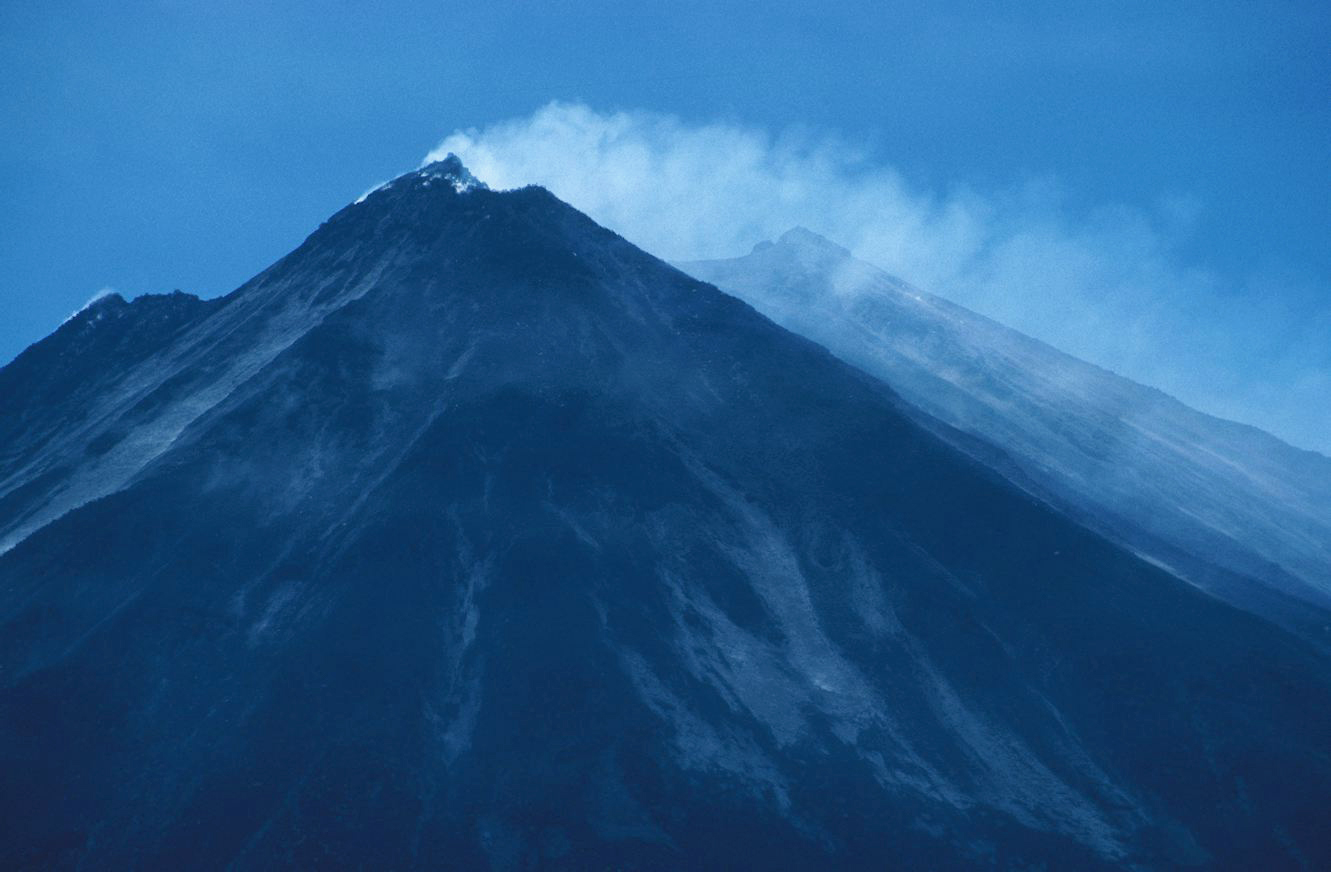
x: 1110, y: 284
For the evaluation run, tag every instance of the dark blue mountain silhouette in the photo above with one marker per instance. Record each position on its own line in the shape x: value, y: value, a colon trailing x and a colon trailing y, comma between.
x: 470, y: 535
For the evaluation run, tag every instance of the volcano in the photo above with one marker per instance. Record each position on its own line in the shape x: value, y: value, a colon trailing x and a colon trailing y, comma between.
x: 470, y: 535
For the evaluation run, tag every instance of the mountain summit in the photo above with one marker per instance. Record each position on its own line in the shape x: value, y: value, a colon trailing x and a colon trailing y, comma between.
x: 450, y: 169
x: 469, y: 534
x: 803, y: 238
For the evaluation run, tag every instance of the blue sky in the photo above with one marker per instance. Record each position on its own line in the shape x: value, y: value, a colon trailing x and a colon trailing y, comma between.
x: 188, y: 145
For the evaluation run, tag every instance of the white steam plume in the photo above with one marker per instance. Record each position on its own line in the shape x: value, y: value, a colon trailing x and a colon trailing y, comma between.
x: 1107, y: 284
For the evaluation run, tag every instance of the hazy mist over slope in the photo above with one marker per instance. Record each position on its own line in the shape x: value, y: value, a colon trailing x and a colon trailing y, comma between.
x: 1227, y: 506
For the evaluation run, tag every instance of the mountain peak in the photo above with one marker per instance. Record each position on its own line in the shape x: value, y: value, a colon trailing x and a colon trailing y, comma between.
x: 452, y: 170
x: 804, y: 238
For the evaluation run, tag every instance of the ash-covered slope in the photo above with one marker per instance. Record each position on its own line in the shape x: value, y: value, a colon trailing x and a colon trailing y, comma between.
x: 470, y: 535
x: 1227, y: 506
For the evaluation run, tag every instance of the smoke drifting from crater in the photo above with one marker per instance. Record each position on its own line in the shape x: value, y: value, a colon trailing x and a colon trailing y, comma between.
x: 1111, y: 284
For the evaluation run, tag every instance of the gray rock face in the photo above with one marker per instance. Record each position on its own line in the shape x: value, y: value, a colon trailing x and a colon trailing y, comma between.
x: 470, y: 535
